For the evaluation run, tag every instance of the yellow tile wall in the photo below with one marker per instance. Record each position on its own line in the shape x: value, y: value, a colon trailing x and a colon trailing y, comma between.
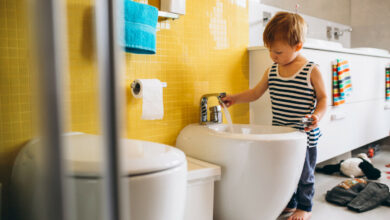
x: 16, y: 103
x: 15, y: 87
x: 83, y: 77
x: 202, y: 52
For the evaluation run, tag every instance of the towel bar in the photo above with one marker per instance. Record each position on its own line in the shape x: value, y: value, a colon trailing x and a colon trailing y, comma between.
x: 164, y: 14
x: 387, y: 106
x: 338, y: 116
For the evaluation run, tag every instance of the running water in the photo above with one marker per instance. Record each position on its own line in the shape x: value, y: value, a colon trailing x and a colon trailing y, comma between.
x: 228, y: 118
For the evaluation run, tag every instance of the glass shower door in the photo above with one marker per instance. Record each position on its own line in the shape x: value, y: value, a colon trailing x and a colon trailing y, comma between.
x: 62, y: 157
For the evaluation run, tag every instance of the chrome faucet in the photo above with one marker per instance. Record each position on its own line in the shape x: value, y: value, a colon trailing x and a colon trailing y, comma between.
x: 338, y: 33
x: 203, y: 108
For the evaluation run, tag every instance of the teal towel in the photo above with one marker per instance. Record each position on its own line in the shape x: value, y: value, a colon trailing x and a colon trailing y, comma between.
x: 140, y: 28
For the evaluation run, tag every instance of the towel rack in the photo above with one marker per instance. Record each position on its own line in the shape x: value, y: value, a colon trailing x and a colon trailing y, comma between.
x: 164, y: 14
x: 338, y: 116
x: 387, y: 106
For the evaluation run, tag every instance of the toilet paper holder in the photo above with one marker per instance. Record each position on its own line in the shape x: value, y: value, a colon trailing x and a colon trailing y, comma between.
x: 136, y: 87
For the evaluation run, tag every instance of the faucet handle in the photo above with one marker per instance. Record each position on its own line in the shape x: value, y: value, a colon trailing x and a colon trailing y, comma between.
x: 220, y: 96
x: 203, y: 107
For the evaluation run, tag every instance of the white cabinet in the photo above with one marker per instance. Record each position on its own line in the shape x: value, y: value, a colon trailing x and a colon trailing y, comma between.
x: 352, y: 125
x: 367, y: 73
x: 364, y: 118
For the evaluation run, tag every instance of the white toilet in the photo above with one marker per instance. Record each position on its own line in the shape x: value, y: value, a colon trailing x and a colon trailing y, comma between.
x: 154, y: 178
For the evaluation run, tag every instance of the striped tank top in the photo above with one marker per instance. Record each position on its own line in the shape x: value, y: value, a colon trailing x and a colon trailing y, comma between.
x: 292, y: 98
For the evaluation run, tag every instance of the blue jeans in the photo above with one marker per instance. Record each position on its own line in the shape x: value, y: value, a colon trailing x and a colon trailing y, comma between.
x: 303, y: 196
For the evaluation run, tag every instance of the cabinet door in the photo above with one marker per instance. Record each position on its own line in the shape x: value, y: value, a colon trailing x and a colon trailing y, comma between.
x: 367, y: 73
x: 352, y: 125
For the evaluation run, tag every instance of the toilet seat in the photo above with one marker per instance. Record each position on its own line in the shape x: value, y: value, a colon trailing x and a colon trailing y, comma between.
x: 83, y: 156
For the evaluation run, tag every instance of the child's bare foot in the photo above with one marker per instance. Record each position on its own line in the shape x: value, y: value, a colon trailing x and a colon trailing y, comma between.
x: 288, y: 210
x: 300, y: 215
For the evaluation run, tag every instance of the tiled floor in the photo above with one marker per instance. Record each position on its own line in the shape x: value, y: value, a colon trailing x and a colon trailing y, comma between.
x: 323, y: 210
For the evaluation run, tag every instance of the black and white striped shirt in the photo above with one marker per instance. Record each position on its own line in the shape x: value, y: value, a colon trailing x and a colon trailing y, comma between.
x: 292, y: 98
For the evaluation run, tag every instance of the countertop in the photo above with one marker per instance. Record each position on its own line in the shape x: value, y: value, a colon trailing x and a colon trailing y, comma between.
x: 364, y: 51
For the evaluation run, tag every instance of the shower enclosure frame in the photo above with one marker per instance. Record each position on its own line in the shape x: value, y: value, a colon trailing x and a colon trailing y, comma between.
x: 51, y: 31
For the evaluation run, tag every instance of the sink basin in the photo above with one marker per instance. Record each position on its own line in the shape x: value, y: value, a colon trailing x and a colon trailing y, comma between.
x: 261, y: 166
x: 373, y: 50
x: 311, y: 42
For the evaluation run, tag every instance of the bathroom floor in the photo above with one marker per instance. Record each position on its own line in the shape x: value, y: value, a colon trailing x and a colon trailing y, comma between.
x: 322, y: 210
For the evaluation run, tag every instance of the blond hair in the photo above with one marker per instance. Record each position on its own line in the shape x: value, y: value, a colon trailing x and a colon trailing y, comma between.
x: 286, y: 26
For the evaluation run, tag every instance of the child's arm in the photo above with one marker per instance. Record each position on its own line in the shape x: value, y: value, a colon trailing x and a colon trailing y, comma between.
x: 319, y: 88
x: 250, y: 94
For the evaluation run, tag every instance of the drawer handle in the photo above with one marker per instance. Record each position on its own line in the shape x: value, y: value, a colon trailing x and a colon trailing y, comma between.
x: 337, y: 116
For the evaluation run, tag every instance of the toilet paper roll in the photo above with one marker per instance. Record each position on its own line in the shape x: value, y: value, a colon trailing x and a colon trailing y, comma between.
x: 151, y: 92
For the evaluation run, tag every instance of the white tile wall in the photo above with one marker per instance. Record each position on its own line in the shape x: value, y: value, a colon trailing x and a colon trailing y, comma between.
x: 370, y: 21
x: 332, y: 10
x: 316, y: 26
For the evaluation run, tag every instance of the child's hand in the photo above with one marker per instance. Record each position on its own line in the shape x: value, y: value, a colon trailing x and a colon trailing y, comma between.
x: 228, y: 100
x: 314, y: 123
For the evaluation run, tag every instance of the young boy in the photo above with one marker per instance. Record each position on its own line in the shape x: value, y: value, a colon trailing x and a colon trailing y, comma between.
x: 297, y: 90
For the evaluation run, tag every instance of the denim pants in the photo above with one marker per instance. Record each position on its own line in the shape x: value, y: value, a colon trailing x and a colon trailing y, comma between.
x: 303, y: 196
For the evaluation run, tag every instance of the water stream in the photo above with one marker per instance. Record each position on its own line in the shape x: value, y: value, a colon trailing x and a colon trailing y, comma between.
x: 228, y: 118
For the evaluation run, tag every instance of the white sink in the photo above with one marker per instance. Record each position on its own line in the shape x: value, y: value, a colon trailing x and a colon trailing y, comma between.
x: 261, y: 166
x: 373, y: 50
x: 311, y: 42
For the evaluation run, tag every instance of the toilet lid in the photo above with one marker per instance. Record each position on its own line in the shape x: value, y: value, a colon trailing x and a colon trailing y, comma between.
x: 83, y: 156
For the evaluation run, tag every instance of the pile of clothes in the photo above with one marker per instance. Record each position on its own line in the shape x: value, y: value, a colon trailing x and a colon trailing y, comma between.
x: 359, y: 195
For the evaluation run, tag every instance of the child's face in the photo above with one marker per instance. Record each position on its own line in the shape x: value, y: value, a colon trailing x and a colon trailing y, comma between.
x: 282, y: 53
